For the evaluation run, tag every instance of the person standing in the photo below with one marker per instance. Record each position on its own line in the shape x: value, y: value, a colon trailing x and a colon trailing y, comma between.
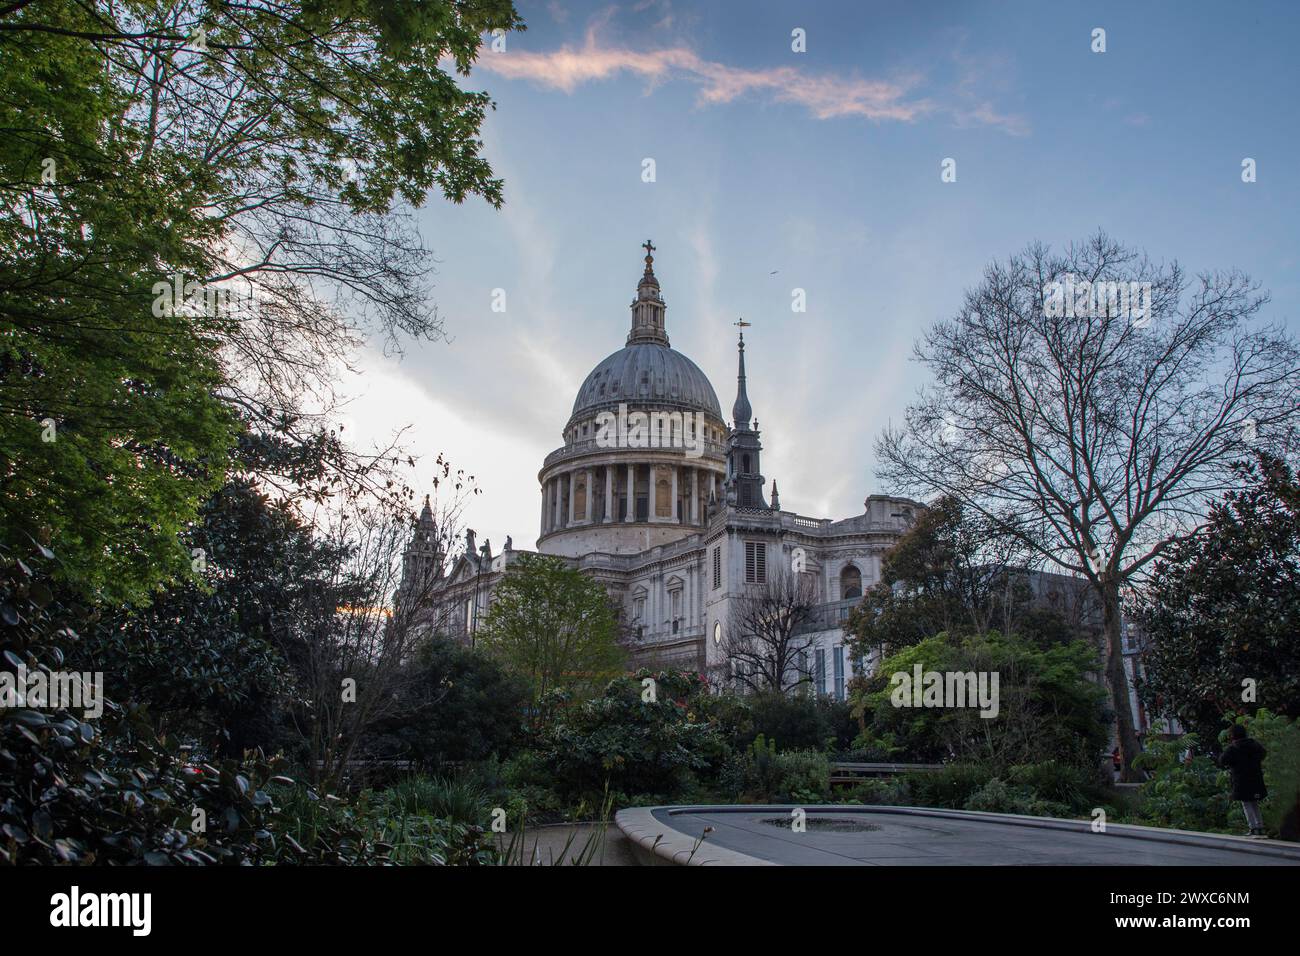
x: 1243, y: 758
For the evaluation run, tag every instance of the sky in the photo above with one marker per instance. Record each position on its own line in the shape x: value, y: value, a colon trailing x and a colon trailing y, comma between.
x: 777, y: 170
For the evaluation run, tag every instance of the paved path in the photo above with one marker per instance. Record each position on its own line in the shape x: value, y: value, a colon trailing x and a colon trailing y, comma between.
x: 839, y: 837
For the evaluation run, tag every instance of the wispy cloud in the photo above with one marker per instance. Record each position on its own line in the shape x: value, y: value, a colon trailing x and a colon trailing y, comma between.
x: 984, y: 114
x: 976, y: 76
x: 825, y: 96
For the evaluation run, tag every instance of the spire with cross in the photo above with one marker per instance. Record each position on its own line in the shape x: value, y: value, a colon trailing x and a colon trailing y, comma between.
x: 744, y: 474
x: 741, y: 411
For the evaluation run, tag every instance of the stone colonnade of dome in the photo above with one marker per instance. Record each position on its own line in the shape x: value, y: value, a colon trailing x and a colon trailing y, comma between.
x: 615, y: 495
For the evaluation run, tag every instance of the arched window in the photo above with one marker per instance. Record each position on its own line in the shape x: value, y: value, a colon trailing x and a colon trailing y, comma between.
x: 850, y: 582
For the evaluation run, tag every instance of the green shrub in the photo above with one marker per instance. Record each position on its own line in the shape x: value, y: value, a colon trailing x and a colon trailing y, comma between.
x: 795, y: 776
x: 1063, y: 784
x: 802, y: 776
x: 880, y: 791
x: 108, y: 790
x: 623, y: 744
x: 998, y: 796
x: 525, y: 769
x: 798, y: 722
x: 732, y: 778
x: 951, y: 786
x: 1185, y: 797
x: 868, y: 747
x: 731, y: 715
x: 522, y: 785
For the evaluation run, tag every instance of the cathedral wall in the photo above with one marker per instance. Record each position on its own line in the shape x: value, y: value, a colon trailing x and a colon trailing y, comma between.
x: 613, y: 539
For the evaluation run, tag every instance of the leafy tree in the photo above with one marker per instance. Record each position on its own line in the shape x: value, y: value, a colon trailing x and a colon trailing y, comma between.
x: 255, y: 150
x: 951, y: 572
x: 1096, y: 435
x: 458, y: 705
x: 1223, y: 608
x: 209, y: 656
x: 552, y: 625
x: 1048, y: 708
x: 111, y: 432
x: 253, y: 653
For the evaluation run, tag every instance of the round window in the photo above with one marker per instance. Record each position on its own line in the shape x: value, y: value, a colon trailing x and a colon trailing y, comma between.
x: 717, y: 632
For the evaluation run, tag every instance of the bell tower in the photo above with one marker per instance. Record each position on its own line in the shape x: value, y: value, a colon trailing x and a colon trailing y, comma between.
x: 422, y: 559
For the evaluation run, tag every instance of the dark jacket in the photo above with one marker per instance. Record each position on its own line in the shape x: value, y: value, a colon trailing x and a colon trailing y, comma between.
x: 1244, y: 759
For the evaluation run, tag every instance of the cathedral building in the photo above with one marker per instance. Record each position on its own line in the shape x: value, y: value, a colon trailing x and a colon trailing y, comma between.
x: 654, y: 494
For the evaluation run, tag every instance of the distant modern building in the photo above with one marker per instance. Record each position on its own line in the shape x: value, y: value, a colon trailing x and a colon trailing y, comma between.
x: 659, y: 498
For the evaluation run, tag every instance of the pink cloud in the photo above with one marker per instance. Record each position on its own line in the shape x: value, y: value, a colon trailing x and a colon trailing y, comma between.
x: 824, y: 96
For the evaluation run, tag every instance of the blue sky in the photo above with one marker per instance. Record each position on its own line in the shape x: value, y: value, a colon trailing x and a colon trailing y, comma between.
x: 822, y: 167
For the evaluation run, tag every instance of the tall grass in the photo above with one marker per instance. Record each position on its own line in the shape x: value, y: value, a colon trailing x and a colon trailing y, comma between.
x: 458, y: 800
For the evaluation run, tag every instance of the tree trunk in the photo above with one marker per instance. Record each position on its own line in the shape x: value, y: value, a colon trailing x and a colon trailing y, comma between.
x: 1117, y: 678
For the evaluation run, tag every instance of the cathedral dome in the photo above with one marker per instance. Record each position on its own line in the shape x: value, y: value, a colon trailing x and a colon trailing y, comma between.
x: 650, y: 480
x: 649, y: 373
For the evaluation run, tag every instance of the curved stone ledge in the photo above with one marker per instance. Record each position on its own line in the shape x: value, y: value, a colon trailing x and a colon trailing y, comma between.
x: 660, y: 842
x: 658, y: 845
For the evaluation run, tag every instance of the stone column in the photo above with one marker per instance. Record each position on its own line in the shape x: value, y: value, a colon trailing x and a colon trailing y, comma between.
x: 572, y: 516
x: 555, y: 504
x: 609, y: 493
x: 591, y: 493
x: 677, y: 508
x: 688, y: 599
x: 630, y: 493
x: 695, y: 496
x: 546, y: 508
